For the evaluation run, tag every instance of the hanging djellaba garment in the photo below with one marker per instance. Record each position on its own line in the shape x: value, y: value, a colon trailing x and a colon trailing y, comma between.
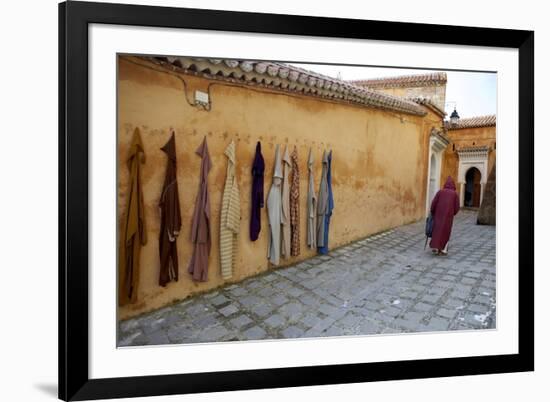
x: 133, y: 234
x: 230, y: 219
x: 200, y: 230
x: 274, y: 211
x: 285, y: 206
x: 311, y: 205
x: 257, y: 199
x: 170, y: 218
x: 322, y: 202
x: 295, y: 205
x: 323, y: 248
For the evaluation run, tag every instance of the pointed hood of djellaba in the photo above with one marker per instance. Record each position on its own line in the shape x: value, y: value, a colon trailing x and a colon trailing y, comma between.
x: 278, y: 170
x: 449, y: 183
x: 170, y: 148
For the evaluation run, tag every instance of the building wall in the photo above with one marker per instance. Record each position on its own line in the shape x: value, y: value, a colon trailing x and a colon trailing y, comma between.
x: 433, y: 121
x: 436, y: 93
x: 379, y: 165
x: 467, y: 137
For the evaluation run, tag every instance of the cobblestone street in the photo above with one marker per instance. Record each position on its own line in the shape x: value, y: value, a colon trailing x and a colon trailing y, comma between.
x: 385, y: 283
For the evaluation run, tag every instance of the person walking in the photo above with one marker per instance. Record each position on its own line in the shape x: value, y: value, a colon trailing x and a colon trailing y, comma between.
x: 445, y: 206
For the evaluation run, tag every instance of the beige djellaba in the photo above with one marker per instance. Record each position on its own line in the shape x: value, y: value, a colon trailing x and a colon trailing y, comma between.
x: 285, y: 206
x: 230, y: 217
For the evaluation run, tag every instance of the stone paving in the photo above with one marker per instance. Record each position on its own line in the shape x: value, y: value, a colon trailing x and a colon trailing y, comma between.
x: 385, y: 283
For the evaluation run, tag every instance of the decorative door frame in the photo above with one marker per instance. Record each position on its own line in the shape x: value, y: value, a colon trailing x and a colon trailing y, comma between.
x: 477, y: 157
x: 438, y: 143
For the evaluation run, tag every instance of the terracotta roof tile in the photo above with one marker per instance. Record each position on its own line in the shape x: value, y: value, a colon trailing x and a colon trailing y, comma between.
x: 288, y: 78
x: 428, y: 102
x: 417, y: 80
x: 472, y: 122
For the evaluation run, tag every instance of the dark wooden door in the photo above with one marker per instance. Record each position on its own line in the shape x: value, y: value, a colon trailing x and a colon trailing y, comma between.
x: 477, y: 188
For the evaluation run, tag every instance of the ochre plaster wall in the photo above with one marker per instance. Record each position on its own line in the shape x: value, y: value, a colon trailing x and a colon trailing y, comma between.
x: 378, y: 168
x: 467, y: 137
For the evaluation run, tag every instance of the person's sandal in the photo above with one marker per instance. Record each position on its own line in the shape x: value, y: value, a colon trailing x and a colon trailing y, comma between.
x: 443, y: 253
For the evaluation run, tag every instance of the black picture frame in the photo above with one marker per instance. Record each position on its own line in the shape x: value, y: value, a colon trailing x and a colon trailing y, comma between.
x: 74, y: 18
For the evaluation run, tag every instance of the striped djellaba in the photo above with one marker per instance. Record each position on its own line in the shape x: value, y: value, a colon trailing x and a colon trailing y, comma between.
x: 230, y: 216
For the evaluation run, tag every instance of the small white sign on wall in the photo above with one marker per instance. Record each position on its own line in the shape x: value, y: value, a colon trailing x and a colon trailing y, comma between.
x: 201, y: 97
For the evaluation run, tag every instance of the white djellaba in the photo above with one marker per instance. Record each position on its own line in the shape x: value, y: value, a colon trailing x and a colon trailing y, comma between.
x: 274, y: 205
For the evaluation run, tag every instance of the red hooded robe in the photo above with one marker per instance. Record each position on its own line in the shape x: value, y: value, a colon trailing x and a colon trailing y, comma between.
x: 445, y: 206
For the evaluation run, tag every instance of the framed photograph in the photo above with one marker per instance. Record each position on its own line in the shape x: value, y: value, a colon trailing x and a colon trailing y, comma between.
x: 258, y: 200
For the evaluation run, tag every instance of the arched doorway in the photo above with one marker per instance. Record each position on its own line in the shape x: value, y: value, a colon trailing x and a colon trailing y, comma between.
x: 472, y: 161
x: 438, y: 143
x: 472, y: 190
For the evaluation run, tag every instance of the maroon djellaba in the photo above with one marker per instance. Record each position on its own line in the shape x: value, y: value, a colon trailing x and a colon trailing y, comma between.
x: 170, y: 218
x: 445, y: 206
x: 200, y: 231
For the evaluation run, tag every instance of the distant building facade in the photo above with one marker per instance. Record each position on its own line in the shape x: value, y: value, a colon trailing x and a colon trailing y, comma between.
x: 465, y: 150
x: 470, y: 157
x: 430, y: 86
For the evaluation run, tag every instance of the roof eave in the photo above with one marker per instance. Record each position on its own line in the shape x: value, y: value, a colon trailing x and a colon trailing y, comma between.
x: 289, y: 79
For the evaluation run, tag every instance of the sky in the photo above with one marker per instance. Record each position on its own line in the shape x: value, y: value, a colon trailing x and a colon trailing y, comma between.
x: 472, y: 93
